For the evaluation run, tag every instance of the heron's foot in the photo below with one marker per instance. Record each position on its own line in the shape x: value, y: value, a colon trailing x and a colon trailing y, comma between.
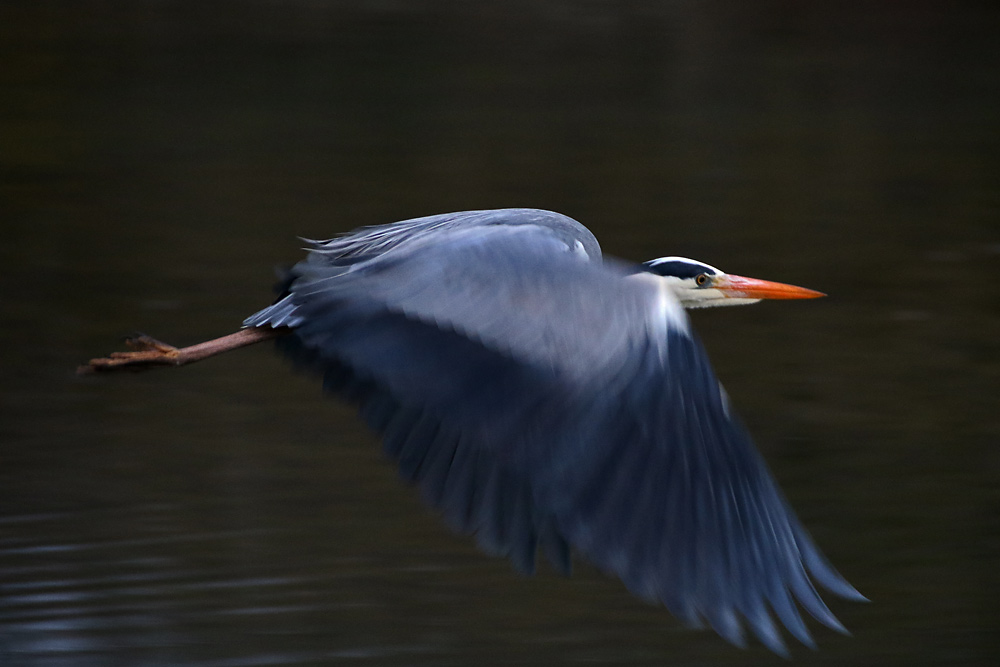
x: 146, y: 351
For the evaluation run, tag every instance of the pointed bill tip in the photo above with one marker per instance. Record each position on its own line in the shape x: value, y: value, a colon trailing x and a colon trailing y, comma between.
x: 752, y: 288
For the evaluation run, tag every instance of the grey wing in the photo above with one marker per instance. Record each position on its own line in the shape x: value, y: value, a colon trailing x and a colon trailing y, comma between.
x: 362, y: 246
x: 540, y: 400
x: 667, y: 491
x: 369, y: 242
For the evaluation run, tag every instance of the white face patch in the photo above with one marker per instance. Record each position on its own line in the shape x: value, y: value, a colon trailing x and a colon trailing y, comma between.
x: 666, y: 312
x: 710, y: 298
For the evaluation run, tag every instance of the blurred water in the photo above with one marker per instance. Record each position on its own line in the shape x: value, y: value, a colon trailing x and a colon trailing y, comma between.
x: 157, y: 160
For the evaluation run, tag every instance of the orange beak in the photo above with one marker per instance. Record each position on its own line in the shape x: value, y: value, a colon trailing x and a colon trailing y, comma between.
x: 751, y: 288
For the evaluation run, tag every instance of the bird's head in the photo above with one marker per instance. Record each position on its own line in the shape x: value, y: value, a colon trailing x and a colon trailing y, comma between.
x: 699, y: 285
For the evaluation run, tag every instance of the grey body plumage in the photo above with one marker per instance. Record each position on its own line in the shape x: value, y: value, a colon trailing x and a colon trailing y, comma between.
x: 545, y: 398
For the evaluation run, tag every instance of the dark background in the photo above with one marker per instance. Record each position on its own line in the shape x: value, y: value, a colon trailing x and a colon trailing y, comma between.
x: 158, y: 159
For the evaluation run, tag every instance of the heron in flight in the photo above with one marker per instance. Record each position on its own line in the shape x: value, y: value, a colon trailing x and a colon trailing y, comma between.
x: 544, y: 399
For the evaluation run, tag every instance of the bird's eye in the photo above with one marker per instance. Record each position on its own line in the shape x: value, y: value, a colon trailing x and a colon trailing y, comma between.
x: 702, y: 279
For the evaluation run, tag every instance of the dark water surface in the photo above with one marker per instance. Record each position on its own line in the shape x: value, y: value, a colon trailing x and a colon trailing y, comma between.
x: 157, y: 160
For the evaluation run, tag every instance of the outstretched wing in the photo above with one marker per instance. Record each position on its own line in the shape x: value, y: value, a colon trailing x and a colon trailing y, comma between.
x: 542, y: 400
x: 367, y: 244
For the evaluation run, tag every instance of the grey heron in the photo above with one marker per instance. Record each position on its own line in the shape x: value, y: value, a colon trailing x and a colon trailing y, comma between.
x: 544, y: 398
